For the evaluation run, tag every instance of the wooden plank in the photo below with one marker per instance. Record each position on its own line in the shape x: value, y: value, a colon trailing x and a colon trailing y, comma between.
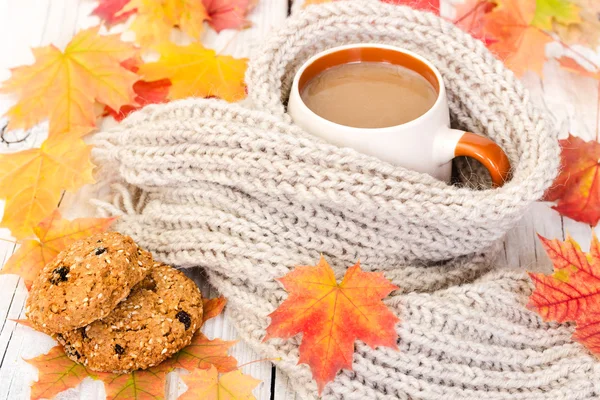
x: 41, y: 22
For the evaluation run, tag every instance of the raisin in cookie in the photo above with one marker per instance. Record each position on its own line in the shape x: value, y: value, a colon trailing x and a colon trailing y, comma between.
x: 158, y: 319
x: 85, y: 282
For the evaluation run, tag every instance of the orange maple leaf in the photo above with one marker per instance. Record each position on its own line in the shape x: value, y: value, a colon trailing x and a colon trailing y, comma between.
x: 572, y: 292
x: 56, y: 373
x: 520, y: 44
x: 577, y: 187
x: 54, y: 234
x: 63, y: 86
x: 212, y: 307
x: 469, y: 17
x: 201, y: 353
x: 332, y: 316
x: 24, y: 322
x: 572, y: 65
x: 32, y: 181
x: 197, y: 71
x: 209, y: 385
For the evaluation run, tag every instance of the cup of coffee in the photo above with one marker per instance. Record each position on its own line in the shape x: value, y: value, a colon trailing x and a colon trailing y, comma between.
x: 390, y: 103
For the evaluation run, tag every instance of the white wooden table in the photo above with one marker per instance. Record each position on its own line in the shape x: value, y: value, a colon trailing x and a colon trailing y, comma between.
x: 573, y: 101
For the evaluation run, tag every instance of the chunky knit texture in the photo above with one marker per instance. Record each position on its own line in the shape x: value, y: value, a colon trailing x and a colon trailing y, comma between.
x: 244, y: 193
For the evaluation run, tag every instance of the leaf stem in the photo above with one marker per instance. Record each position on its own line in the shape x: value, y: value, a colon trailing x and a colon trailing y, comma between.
x: 257, y: 361
x: 9, y: 142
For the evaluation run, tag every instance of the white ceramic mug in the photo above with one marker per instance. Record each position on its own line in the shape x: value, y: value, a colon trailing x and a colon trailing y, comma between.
x: 426, y: 144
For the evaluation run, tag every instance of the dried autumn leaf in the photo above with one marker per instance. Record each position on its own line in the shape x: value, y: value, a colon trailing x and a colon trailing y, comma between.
x: 212, y: 307
x: 197, y: 71
x: 521, y: 45
x: 572, y: 65
x: 228, y: 14
x: 63, y: 86
x: 333, y: 316
x: 201, y: 353
x: 156, y: 19
x: 425, y: 5
x: 559, y: 11
x: 587, y: 32
x: 153, y: 92
x: 56, y: 373
x: 107, y: 10
x: 577, y: 187
x: 54, y: 234
x: 469, y: 17
x: 31, y: 181
x: 587, y: 332
x: 209, y: 385
x: 24, y: 322
x: 573, y: 291
x: 148, y: 384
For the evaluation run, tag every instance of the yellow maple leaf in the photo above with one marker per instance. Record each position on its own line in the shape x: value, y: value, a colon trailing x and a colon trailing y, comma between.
x: 155, y: 19
x: 207, y: 384
x: 518, y: 43
x: 64, y: 85
x: 53, y: 234
x: 196, y: 71
x: 31, y: 181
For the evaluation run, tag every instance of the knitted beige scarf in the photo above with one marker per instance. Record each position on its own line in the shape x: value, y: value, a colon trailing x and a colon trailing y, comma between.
x: 242, y: 192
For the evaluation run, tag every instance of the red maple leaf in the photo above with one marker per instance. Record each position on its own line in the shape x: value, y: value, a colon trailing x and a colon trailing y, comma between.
x: 228, y: 14
x: 146, y: 92
x: 574, y: 289
x: 425, y: 5
x: 572, y: 292
x: 577, y: 187
x: 107, y: 10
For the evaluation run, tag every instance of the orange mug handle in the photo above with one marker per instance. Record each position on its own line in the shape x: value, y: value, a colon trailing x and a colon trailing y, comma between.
x: 486, y: 152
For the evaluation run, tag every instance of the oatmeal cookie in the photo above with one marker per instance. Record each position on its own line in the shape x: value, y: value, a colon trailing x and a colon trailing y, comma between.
x: 85, y: 282
x: 158, y: 319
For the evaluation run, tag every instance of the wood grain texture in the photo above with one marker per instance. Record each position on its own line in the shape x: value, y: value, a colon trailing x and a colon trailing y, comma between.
x: 572, y: 101
x: 34, y: 23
